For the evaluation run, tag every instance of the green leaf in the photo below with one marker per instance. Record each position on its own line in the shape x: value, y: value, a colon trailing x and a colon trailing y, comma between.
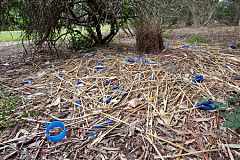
x: 3, y: 115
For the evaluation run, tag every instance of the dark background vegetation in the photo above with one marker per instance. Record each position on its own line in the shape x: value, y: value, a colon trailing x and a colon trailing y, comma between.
x: 79, y: 22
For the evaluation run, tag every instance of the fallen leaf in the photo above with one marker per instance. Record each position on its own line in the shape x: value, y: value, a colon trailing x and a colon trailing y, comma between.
x: 165, y: 117
x: 56, y: 102
x: 41, y: 74
x: 134, y: 102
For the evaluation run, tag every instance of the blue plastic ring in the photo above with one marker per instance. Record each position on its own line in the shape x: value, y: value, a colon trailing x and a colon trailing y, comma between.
x: 52, y: 125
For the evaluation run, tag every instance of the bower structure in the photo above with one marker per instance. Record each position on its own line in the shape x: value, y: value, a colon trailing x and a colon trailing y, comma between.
x: 149, y: 38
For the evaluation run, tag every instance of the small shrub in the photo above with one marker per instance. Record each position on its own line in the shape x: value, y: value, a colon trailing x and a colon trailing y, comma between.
x: 233, y: 117
x: 76, y: 41
x: 198, y: 39
x: 8, y: 104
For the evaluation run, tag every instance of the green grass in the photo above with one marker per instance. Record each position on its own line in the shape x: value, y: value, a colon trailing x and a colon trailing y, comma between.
x: 10, y: 36
x: 198, y: 39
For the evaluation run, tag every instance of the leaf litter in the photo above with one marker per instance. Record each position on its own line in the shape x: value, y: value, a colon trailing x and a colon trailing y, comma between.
x: 151, y: 118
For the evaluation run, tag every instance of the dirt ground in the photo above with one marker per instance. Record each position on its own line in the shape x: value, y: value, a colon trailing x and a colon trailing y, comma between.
x: 217, y: 36
x: 10, y: 49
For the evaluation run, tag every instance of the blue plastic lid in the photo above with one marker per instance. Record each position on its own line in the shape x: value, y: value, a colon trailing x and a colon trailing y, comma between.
x: 198, y: 79
x: 79, y: 102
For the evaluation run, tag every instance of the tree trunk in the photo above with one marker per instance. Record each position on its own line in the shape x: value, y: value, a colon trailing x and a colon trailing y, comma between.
x: 237, y: 14
x: 194, y: 11
x: 209, y: 17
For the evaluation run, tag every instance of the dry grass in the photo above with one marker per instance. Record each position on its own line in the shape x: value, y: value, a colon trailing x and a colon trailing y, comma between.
x: 154, y: 117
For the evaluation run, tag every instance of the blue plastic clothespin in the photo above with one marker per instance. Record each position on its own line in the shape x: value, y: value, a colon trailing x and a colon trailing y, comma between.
x: 52, y: 125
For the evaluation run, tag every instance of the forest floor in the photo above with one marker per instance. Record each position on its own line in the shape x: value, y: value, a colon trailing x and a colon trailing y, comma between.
x: 116, y: 104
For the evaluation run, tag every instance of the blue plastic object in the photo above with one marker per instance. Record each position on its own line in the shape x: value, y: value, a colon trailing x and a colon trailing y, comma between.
x: 55, y: 124
x: 207, y: 105
x: 233, y: 46
x: 100, y: 67
x: 29, y: 80
x: 191, y: 47
x: 109, y: 98
x: 185, y: 47
x: 80, y: 84
x: 130, y: 60
x: 115, y: 86
x: 237, y: 76
x: 198, y: 79
x: 61, y: 74
x: 79, y: 102
x: 92, y: 136
x: 107, y: 82
x: 103, y: 124
x: 98, y: 62
x: 121, y: 90
x: 153, y: 77
x: 82, y: 55
x: 139, y: 59
x: 171, y: 68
